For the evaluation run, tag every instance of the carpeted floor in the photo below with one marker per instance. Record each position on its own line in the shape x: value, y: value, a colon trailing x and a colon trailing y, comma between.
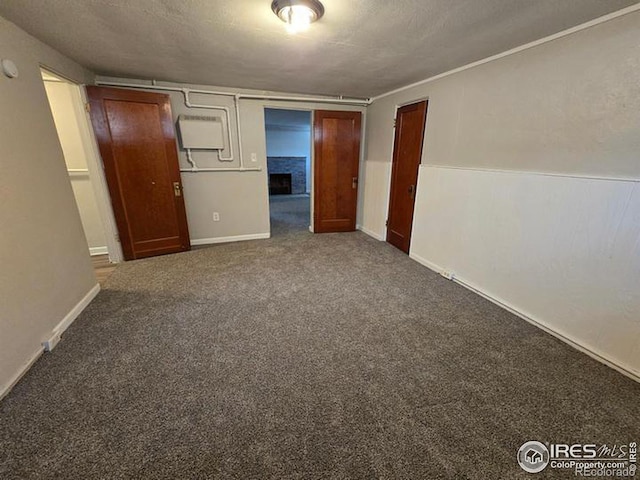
x: 289, y: 214
x: 301, y: 357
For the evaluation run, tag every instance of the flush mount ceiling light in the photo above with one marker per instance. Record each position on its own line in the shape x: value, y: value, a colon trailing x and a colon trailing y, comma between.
x: 297, y: 14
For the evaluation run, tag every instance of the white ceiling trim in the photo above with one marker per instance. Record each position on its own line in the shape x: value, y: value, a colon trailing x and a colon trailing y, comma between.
x: 526, y: 46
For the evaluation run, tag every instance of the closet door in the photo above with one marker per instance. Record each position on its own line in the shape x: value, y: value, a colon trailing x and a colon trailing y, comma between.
x: 138, y: 148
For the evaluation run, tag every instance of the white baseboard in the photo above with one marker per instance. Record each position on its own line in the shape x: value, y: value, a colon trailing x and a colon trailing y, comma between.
x: 595, y: 354
x: 55, y: 334
x: 237, y: 238
x: 371, y: 233
x: 98, y: 251
x: 77, y: 310
x: 6, y: 388
x: 426, y: 263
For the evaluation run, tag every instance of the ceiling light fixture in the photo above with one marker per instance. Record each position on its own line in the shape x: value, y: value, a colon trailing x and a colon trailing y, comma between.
x: 297, y: 14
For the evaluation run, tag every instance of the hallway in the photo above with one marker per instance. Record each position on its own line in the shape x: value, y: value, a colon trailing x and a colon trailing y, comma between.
x: 289, y: 214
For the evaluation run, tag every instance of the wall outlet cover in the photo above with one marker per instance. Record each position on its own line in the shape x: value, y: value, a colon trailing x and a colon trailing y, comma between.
x: 448, y: 275
x: 51, y: 343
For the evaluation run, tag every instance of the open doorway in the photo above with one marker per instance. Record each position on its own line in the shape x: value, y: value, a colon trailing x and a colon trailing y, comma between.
x: 288, y: 135
x: 67, y: 107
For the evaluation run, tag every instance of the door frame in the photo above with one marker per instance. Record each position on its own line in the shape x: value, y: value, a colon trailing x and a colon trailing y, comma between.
x: 94, y: 162
x: 311, y: 107
x: 398, y: 106
x: 302, y: 108
x: 94, y: 165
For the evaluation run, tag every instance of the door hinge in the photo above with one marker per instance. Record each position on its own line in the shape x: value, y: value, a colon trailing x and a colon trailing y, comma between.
x: 386, y: 223
x: 395, y: 120
x: 87, y: 107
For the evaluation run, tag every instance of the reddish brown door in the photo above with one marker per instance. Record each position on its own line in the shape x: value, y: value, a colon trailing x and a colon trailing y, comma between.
x: 336, y: 140
x: 407, y: 153
x: 138, y: 148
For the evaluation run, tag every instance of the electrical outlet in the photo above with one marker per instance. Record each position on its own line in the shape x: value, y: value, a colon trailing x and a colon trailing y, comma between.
x: 216, y: 217
x: 51, y: 343
x: 448, y: 275
x: 254, y: 157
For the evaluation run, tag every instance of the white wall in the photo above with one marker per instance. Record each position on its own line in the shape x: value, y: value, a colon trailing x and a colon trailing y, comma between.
x: 240, y: 198
x: 61, y: 99
x: 375, y: 186
x: 570, y: 106
x: 563, y: 251
x: 46, y: 269
x: 290, y: 141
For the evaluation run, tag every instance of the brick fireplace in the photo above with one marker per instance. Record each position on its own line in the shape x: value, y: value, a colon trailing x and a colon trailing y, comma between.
x: 280, y: 184
x: 294, y: 167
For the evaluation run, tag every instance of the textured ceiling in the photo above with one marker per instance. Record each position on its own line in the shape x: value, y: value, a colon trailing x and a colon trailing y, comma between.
x: 359, y: 48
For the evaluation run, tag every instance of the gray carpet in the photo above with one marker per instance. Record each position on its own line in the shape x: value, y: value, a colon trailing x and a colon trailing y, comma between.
x: 289, y: 214
x: 301, y: 357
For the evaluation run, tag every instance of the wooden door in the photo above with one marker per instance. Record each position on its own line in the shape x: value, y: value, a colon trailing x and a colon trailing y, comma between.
x: 336, y: 140
x: 138, y: 148
x: 407, y: 152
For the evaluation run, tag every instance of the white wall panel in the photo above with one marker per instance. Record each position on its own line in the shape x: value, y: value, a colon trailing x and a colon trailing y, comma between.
x: 376, y: 192
x: 563, y: 251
